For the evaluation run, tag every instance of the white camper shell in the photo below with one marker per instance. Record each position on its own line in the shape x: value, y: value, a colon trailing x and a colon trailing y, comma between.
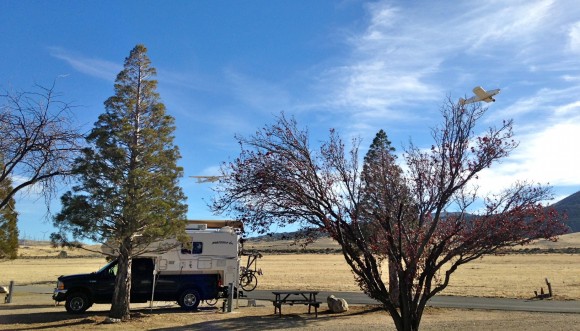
x: 210, y: 251
x: 214, y: 248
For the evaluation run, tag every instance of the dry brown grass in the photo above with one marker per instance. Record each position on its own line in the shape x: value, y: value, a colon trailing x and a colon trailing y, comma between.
x: 513, y: 276
x: 502, y: 276
x: 571, y: 240
x: 45, y: 270
x: 44, y: 249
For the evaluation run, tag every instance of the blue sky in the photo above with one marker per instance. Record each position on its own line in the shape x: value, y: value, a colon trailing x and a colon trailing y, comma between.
x: 227, y: 67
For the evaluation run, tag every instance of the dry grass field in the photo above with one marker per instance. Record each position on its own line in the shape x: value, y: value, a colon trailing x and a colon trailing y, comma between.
x: 512, y: 275
x: 571, y: 240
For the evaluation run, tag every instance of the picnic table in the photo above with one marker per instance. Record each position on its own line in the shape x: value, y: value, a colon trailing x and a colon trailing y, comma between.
x: 295, y: 297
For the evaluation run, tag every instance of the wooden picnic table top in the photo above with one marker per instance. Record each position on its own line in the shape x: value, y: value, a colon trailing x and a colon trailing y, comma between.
x: 295, y: 292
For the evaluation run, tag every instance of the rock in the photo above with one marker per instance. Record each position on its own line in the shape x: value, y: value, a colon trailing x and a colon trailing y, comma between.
x: 336, y: 305
x: 110, y: 320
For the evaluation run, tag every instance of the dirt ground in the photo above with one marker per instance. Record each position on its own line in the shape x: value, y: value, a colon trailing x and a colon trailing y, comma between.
x: 36, y: 312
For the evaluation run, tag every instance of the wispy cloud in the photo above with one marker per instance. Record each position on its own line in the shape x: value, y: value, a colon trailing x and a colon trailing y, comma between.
x: 408, y: 58
x: 413, y: 54
x: 492, y: 23
x: 259, y: 95
x: 190, y: 81
x: 95, y: 67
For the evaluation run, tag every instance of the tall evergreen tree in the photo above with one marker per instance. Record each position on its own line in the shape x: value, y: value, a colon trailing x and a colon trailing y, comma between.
x: 379, y: 149
x: 127, y: 194
x: 8, y: 227
x: 382, y: 183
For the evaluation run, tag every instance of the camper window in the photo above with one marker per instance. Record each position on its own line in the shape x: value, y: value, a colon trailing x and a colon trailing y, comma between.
x: 195, y: 247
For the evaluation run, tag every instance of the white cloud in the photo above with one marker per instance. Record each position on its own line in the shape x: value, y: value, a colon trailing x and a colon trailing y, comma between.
x: 495, y: 23
x: 570, y: 78
x: 568, y: 109
x: 407, y: 55
x: 90, y: 66
x: 547, y: 156
x: 574, y: 38
x: 414, y: 54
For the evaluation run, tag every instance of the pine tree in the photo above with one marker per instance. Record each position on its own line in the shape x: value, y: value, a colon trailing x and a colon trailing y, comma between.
x: 380, y: 175
x: 127, y: 194
x: 8, y: 228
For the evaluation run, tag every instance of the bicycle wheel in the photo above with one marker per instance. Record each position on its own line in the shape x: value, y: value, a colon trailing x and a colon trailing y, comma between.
x: 248, y: 282
x: 211, y: 302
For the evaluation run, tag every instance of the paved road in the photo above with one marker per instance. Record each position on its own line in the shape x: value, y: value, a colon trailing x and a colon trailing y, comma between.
x: 551, y: 306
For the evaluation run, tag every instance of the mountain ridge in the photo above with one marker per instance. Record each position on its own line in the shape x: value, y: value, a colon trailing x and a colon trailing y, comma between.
x: 570, y: 206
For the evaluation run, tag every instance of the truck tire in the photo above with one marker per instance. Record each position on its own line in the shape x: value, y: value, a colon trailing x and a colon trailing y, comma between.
x: 189, y: 299
x: 77, y: 302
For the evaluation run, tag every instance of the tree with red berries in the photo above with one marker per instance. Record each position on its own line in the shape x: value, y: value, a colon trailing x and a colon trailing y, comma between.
x: 279, y: 179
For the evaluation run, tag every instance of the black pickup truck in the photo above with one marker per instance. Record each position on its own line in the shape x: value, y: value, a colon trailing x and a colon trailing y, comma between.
x: 80, y: 292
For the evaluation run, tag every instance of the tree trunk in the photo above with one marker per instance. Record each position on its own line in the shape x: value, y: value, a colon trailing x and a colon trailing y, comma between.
x: 409, y: 314
x: 408, y: 322
x: 120, y: 307
x: 393, y: 283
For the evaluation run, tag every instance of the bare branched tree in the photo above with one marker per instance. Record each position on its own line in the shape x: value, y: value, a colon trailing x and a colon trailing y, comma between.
x: 39, y: 141
x: 390, y: 214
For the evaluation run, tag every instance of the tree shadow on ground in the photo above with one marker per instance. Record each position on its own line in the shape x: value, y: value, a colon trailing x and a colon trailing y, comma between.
x: 247, y: 323
x: 42, y: 317
x: 269, y: 322
x: 28, y: 318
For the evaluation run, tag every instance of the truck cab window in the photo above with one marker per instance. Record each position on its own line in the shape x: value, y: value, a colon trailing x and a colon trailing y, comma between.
x: 113, y: 270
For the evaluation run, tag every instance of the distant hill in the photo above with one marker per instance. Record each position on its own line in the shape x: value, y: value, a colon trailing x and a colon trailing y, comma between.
x: 284, y: 241
x: 570, y: 206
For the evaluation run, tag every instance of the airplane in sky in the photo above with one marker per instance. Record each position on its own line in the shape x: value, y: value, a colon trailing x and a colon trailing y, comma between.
x: 480, y: 95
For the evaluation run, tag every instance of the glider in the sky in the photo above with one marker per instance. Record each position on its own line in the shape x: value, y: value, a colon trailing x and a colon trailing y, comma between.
x: 480, y: 95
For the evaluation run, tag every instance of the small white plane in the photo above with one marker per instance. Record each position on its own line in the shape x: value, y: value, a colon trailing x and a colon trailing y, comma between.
x: 480, y: 95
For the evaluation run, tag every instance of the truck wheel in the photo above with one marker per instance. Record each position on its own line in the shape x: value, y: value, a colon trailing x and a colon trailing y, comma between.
x: 189, y: 299
x: 77, y: 302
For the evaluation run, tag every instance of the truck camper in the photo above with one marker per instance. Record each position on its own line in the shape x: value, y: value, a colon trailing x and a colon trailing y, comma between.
x: 201, y: 269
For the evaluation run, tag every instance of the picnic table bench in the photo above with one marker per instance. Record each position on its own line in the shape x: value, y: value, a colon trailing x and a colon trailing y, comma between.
x: 295, y: 297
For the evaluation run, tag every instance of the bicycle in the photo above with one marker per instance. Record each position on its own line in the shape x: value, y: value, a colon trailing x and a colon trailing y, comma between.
x: 248, y: 278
